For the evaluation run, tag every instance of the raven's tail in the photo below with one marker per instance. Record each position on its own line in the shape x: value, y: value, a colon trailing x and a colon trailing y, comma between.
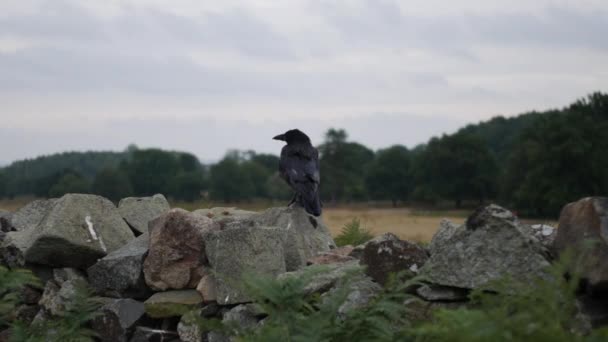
x: 311, y: 202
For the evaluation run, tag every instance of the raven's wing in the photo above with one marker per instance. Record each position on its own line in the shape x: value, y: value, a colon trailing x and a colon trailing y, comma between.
x: 300, y: 169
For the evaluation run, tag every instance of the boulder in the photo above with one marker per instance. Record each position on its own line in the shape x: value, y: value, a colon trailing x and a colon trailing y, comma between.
x: 117, y: 320
x: 360, y: 292
x: 583, y: 228
x: 177, y: 255
x: 14, y: 246
x: 145, y: 334
x: 434, y: 293
x: 172, y: 303
x: 139, y: 211
x: 5, y: 221
x: 491, y: 245
x: 189, y: 328
x: 444, y: 233
x: 224, y: 215
x: 336, y: 255
x: 357, y: 251
x: 388, y: 254
x: 77, y: 231
x: 243, y: 248
x: 30, y: 215
x: 306, y: 235
x: 322, y: 278
x: 120, y: 274
x: 544, y: 233
x: 206, y: 287
x: 58, y: 297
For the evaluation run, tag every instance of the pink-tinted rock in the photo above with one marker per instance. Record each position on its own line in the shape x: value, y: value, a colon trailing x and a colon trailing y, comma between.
x: 583, y: 228
x: 336, y: 255
x: 177, y: 250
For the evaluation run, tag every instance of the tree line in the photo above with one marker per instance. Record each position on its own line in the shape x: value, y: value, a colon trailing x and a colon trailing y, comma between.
x: 535, y: 162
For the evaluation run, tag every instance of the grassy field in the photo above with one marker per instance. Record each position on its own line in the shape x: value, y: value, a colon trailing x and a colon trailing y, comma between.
x: 407, y: 223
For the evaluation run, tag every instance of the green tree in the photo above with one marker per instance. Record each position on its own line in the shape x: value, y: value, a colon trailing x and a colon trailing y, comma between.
x: 3, y: 185
x: 559, y: 159
x: 389, y: 175
x: 343, y: 166
x: 112, y: 184
x: 457, y: 167
x: 69, y: 183
x: 187, y: 186
x: 151, y: 171
x: 228, y: 182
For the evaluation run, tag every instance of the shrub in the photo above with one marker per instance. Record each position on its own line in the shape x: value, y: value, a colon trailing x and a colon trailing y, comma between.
x: 353, y: 234
x: 70, y: 326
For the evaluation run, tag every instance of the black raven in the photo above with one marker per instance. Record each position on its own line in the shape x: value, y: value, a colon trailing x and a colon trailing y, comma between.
x: 299, y: 167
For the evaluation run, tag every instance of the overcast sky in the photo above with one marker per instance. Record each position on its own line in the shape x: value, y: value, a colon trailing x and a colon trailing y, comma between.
x: 207, y: 76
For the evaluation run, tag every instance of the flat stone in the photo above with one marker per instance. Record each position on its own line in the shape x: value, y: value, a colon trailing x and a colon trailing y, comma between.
x: 139, y: 211
x: 120, y: 274
x: 442, y: 293
x: 117, y: 319
x: 172, y: 303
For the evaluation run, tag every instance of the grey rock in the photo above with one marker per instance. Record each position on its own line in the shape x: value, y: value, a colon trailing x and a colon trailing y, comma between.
x: 144, y: 334
x: 243, y: 248
x: 357, y: 251
x: 225, y: 215
x: 61, y: 275
x: 583, y: 228
x: 139, y: 211
x: 325, y: 277
x: 544, y: 233
x: 57, y: 298
x: 214, y: 336
x: 172, y: 303
x: 14, y: 246
x: 388, y: 254
x: 30, y: 215
x: 26, y: 313
x: 117, y: 319
x: 361, y: 292
x: 244, y: 316
x: 432, y: 293
x: 5, y: 221
x: 77, y: 231
x: 306, y: 235
x: 177, y: 255
x: 490, y: 246
x: 120, y: 274
x: 336, y: 255
x: 189, y: 329
x: 446, y: 230
x: 207, y: 286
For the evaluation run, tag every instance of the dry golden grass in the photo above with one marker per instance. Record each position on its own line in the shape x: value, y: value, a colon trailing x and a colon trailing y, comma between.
x: 405, y: 223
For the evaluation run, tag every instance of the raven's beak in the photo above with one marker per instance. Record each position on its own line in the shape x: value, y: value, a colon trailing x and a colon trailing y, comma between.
x: 280, y: 137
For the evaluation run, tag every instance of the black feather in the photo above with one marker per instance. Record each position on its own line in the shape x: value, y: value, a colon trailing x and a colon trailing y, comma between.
x: 299, y: 167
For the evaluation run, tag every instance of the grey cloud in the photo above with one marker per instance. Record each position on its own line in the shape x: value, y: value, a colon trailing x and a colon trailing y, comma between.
x: 382, y: 23
x: 237, y: 30
x: 79, y: 70
x: 55, y: 19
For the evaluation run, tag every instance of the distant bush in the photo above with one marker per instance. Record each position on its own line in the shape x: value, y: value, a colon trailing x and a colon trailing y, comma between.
x: 353, y: 234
